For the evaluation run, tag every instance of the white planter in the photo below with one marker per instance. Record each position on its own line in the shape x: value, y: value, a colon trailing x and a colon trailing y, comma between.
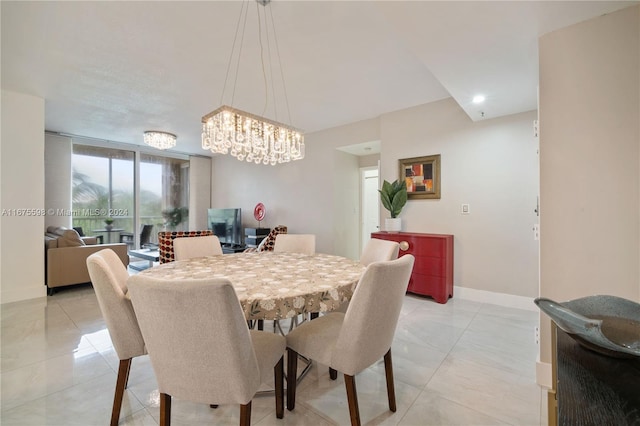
x: 393, y: 224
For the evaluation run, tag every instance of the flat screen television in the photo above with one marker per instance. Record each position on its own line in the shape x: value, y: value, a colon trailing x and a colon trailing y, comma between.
x: 226, y: 224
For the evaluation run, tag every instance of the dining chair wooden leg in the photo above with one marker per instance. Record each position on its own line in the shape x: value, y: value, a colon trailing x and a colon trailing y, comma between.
x: 165, y: 409
x: 292, y: 372
x: 121, y: 384
x: 333, y: 374
x: 245, y: 414
x: 352, y: 398
x: 126, y: 380
x: 278, y: 379
x: 391, y: 392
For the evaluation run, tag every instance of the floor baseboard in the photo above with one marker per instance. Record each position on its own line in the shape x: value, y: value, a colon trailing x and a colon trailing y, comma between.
x: 501, y: 299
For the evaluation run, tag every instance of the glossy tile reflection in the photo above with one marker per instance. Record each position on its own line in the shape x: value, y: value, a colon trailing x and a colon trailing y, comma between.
x: 462, y: 363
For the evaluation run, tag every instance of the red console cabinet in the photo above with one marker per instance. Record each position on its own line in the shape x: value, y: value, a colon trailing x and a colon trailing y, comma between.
x: 433, y: 269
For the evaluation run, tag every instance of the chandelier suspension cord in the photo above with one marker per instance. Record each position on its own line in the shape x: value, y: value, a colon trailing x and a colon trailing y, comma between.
x: 233, y: 49
x: 284, y: 86
x: 244, y: 25
x: 269, y: 58
x: 264, y: 73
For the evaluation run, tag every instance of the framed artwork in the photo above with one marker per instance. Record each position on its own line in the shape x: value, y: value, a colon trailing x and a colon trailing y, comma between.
x: 422, y: 176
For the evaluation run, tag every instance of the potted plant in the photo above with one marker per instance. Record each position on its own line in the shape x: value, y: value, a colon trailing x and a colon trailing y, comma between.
x: 393, y: 197
x: 108, y: 223
x: 175, y: 216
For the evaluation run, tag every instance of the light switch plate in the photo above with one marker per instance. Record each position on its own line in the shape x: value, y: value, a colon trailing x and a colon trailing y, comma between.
x: 464, y: 209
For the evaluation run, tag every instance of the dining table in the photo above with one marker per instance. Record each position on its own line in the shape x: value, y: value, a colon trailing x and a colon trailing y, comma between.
x: 273, y: 285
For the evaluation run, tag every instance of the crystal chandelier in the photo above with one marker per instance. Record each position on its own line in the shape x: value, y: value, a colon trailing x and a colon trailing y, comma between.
x: 246, y: 136
x: 159, y: 140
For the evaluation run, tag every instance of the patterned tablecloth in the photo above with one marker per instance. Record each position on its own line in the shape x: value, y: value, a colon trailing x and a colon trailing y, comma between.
x: 274, y: 285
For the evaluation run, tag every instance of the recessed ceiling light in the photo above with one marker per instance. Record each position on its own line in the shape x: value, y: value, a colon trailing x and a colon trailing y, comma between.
x: 478, y: 99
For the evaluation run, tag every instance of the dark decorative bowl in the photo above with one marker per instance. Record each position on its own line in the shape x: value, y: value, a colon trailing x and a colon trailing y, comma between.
x: 608, y: 325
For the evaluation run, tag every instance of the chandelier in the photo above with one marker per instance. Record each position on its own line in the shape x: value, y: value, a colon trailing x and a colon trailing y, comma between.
x: 159, y: 140
x: 246, y: 136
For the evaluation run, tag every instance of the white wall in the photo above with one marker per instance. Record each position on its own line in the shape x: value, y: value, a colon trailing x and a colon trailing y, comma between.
x: 491, y: 165
x: 22, y: 187
x: 57, y: 168
x: 590, y: 161
x: 369, y: 160
x: 346, y: 205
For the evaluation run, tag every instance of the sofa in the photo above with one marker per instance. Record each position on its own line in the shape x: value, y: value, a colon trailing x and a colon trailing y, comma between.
x: 66, y: 256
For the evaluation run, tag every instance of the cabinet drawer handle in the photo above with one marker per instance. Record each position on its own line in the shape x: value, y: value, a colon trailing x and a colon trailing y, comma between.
x: 404, y: 246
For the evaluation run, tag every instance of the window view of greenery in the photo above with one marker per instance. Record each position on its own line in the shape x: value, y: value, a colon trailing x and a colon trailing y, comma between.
x: 103, y: 193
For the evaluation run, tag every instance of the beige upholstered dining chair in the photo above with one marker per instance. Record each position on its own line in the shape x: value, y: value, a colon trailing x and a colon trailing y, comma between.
x: 109, y: 277
x: 376, y: 250
x: 200, y: 347
x: 186, y: 248
x: 295, y: 243
x: 351, y: 342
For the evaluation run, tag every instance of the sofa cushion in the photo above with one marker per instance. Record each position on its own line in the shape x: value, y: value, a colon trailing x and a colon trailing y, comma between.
x: 56, y: 230
x: 89, y: 241
x: 50, y: 241
x: 70, y: 238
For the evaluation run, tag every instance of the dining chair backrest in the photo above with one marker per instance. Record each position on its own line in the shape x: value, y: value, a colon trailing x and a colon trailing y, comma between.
x: 197, y: 337
x: 165, y: 242
x: 377, y: 250
x: 371, y: 319
x: 186, y: 248
x: 109, y: 278
x: 295, y: 243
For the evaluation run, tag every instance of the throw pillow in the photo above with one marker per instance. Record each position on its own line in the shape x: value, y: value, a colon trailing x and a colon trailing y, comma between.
x: 70, y: 238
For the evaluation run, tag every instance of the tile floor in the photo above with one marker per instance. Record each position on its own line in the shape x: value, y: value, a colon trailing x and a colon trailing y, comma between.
x: 462, y: 363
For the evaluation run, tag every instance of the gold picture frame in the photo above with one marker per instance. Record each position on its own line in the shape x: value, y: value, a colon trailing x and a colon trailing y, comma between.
x: 422, y: 176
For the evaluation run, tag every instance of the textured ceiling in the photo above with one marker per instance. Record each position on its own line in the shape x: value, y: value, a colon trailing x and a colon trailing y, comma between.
x: 112, y: 70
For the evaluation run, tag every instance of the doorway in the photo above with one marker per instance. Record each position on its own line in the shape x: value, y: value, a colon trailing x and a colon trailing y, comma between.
x: 370, y: 217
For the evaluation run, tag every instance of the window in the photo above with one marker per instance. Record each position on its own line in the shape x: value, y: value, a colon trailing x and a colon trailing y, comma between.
x: 103, y: 186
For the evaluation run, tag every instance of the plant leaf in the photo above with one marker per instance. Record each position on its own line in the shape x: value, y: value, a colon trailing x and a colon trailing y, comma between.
x: 398, y: 202
x: 384, y: 198
x: 393, y: 196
